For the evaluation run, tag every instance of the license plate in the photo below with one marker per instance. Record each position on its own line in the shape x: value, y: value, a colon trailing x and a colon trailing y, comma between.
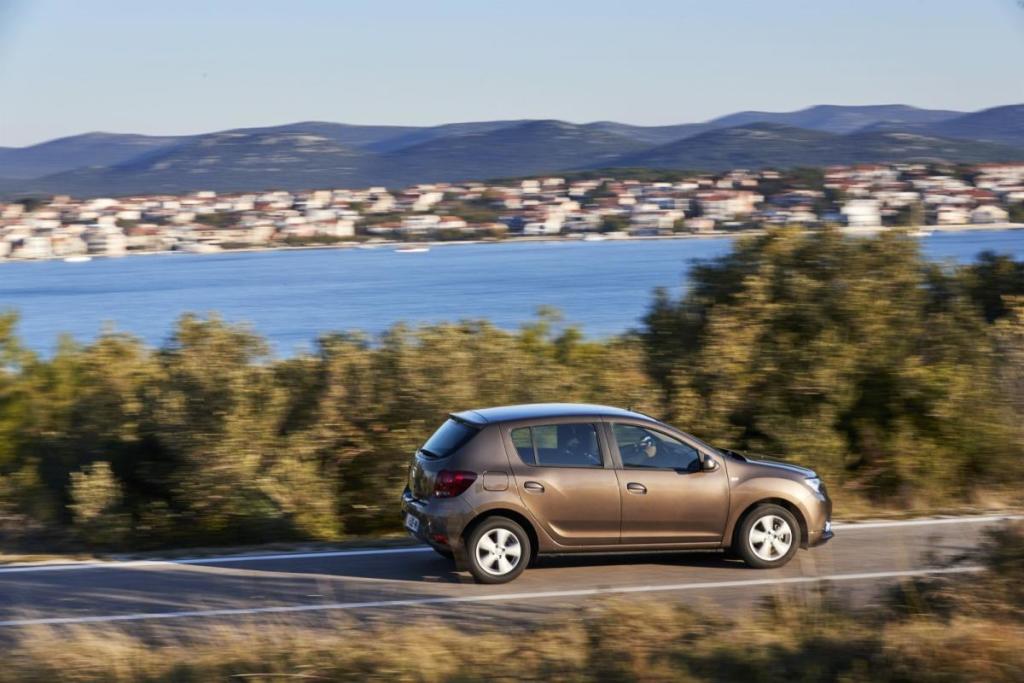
x: 411, y: 523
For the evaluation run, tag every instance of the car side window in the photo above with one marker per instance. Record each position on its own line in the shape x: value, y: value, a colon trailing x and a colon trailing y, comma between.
x: 558, y: 445
x: 642, y: 447
x: 523, y: 441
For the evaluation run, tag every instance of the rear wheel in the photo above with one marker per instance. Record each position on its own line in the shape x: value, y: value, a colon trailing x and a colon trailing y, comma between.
x: 769, y: 537
x: 498, y: 550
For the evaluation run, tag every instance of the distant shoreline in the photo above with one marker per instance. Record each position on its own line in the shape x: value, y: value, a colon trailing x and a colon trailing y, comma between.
x: 574, y: 238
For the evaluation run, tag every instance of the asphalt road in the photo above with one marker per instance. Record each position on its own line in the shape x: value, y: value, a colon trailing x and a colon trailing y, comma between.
x: 861, y: 560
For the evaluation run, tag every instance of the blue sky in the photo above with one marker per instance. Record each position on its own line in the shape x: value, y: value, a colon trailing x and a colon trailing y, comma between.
x: 153, y: 66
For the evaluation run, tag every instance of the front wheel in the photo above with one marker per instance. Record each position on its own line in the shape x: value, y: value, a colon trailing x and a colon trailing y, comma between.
x: 498, y: 550
x: 769, y: 537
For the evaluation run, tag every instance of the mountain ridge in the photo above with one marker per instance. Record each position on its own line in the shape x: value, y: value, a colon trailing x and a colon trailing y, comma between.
x: 761, y: 145
x: 308, y: 154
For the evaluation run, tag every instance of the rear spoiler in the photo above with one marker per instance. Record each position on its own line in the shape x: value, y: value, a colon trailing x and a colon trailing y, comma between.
x: 470, y: 417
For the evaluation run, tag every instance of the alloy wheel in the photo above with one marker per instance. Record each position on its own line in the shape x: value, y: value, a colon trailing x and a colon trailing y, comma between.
x: 770, y: 538
x: 498, y: 551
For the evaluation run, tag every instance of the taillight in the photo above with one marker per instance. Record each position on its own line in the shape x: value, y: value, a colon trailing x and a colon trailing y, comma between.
x: 449, y: 483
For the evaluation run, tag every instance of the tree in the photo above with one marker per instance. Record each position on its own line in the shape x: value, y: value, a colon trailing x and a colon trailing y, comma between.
x: 1017, y: 212
x: 96, y: 505
x: 910, y: 215
x: 224, y: 219
x: 614, y: 223
x: 991, y: 280
x: 854, y: 355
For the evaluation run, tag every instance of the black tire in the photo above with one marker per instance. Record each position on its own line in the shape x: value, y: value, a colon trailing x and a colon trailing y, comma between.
x: 512, y: 547
x: 780, y: 533
x: 446, y: 554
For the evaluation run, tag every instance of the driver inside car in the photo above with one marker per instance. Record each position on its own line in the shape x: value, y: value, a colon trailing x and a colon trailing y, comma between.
x: 650, y: 451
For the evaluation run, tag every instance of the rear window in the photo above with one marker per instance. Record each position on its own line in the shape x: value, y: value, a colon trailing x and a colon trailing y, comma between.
x: 449, y: 437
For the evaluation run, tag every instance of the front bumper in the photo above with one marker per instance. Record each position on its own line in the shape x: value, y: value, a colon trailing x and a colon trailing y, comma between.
x: 821, y: 536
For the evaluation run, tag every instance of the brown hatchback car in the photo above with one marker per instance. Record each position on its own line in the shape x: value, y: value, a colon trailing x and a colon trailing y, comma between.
x: 494, y: 488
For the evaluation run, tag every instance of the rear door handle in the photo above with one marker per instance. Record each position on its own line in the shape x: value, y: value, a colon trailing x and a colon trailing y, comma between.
x: 533, y: 486
x: 634, y: 487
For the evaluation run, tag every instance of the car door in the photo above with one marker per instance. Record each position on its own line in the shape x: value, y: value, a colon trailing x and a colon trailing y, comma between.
x: 666, y: 496
x: 567, y: 480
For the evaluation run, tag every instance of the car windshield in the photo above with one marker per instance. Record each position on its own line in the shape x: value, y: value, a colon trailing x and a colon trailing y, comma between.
x: 449, y: 437
x: 703, y: 444
x: 706, y: 446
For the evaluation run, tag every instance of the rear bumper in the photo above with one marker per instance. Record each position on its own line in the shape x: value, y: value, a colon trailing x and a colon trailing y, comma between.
x: 441, y: 522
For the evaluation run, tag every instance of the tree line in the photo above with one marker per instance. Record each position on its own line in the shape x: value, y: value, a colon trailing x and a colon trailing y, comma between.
x: 900, y: 379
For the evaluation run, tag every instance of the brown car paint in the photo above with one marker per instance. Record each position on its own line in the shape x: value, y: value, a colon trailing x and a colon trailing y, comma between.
x: 593, y: 509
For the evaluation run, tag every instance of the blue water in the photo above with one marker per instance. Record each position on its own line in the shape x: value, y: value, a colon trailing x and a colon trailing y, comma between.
x: 291, y: 297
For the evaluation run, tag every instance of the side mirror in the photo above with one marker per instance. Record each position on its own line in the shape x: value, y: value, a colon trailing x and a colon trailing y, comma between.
x: 710, y: 464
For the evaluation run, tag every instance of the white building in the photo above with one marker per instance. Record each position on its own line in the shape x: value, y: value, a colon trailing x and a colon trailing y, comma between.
x: 862, y: 213
x: 950, y: 215
x: 648, y: 216
x: 106, y: 240
x: 343, y: 227
x: 700, y: 225
x: 426, y: 200
x: 989, y: 213
x: 582, y: 222
x: 547, y: 227
x: 420, y: 222
x: 68, y: 245
x: 727, y: 205
x: 34, y: 248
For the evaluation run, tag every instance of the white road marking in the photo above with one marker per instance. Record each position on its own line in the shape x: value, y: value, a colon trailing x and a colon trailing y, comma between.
x: 241, y: 559
x: 225, y: 559
x: 495, y: 597
x: 928, y: 521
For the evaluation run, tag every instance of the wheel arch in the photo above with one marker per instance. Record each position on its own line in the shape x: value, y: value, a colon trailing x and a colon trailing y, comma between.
x: 517, y: 517
x: 788, y: 505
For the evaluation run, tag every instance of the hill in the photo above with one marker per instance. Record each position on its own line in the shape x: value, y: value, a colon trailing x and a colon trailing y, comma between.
x: 76, y: 151
x: 761, y: 145
x: 1003, y: 125
x: 832, y: 118
x: 322, y: 154
x: 527, y: 148
x: 347, y: 134
x: 232, y: 161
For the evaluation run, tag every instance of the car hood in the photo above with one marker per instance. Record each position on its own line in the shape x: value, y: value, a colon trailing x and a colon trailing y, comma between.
x: 795, y: 469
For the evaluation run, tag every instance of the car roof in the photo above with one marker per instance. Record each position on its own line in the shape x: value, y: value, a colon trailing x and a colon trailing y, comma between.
x: 533, y: 411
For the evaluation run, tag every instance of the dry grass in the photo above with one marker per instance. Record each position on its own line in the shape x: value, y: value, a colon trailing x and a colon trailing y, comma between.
x: 619, y: 641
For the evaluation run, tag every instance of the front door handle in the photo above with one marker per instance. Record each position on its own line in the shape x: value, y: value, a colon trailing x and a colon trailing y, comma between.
x: 634, y: 487
x: 534, y: 487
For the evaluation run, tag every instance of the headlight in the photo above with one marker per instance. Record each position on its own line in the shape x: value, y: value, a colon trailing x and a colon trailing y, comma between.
x: 815, y: 483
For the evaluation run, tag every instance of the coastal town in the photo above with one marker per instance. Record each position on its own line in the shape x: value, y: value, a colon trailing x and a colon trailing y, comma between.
x: 918, y: 197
